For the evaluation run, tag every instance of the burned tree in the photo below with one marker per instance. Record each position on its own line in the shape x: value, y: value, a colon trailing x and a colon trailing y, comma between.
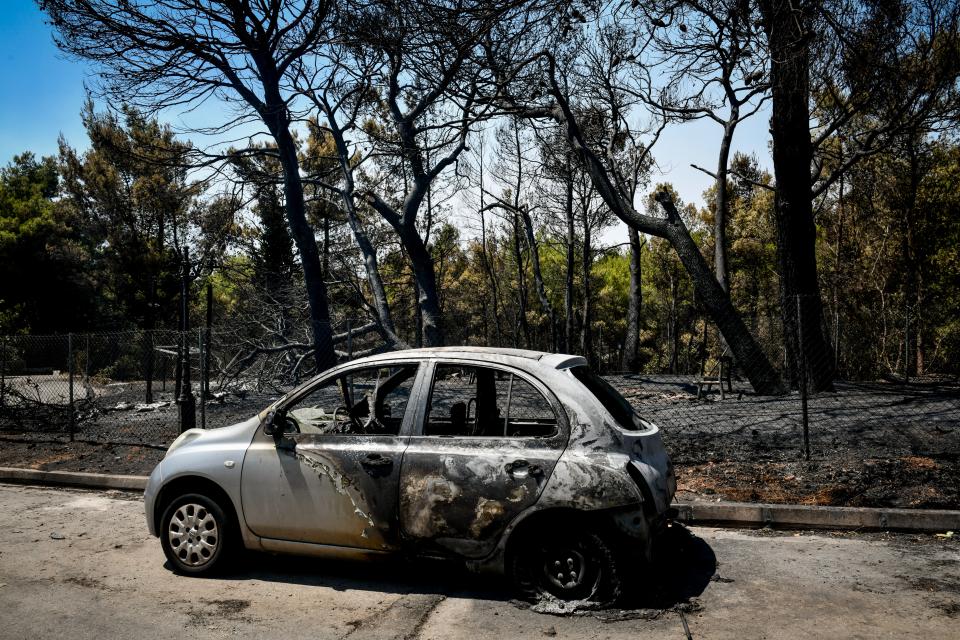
x: 182, y: 52
x: 550, y: 101
x: 711, y: 52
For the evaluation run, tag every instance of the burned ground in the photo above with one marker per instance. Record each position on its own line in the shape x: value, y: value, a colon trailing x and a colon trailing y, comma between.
x: 876, y: 444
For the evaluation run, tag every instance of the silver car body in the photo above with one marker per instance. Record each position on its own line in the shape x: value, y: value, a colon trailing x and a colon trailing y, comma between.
x: 443, y: 496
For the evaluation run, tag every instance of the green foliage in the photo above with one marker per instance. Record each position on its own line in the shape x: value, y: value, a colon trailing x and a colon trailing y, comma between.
x: 43, y: 258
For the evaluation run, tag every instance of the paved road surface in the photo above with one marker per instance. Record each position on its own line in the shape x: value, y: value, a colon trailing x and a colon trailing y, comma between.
x: 81, y: 565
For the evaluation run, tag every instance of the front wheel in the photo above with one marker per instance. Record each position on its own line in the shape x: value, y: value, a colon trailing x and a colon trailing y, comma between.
x: 195, y: 535
x: 576, y: 565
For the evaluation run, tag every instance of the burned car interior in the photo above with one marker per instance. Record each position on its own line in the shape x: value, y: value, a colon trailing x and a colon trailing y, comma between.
x: 482, y: 402
x: 368, y: 401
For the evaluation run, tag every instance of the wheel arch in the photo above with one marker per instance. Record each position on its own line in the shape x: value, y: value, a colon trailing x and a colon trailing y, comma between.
x: 185, y: 484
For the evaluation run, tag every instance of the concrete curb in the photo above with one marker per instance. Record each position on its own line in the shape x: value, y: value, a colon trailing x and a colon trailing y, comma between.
x: 723, y: 514
x: 795, y: 516
x: 73, y: 479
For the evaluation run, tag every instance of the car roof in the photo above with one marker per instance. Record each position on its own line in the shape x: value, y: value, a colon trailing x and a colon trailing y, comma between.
x: 523, y: 358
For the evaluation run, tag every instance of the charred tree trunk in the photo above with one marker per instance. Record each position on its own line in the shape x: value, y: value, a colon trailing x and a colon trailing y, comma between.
x: 631, y: 343
x: 303, y: 237
x: 723, y: 202
x: 787, y: 34
x: 538, y: 277
x: 371, y: 265
x: 485, y: 258
x: 763, y: 377
x: 521, y: 282
x: 492, y: 279
x: 913, y: 286
x: 428, y: 302
x: 568, y: 327
x: 716, y: 302
x: 586, y: 337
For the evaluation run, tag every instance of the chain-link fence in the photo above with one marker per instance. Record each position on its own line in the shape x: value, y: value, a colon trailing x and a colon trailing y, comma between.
x: 886, y: 440
x: 145, y: 387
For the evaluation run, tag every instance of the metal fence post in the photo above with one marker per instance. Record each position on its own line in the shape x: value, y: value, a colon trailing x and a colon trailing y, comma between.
x: 3, y: 370
x: 70, y: 383
x: 205, y: 358
x: 803, y: 381
x: 906, y: 343
x: 203, y: 390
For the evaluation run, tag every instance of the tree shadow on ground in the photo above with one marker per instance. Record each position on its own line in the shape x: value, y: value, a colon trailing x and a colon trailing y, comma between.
x: 683, y: 567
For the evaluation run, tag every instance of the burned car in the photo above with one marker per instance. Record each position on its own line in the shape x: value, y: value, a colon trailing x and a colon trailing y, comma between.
x: 510, y: 461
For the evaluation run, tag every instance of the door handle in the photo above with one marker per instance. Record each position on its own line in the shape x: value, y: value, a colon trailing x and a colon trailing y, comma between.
x: 521, y: 469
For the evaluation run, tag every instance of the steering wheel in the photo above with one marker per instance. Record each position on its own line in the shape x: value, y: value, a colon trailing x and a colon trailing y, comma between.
x: 352, y: 418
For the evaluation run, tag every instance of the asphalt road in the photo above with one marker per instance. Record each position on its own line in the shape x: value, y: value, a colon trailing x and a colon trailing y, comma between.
x: 77, y: 565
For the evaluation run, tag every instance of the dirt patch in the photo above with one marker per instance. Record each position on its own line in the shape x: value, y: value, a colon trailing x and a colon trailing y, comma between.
x: 79, y: 456
x: 228, y: 607
x: 932, y: 585
x: 89, y: 583
x: 43, y: 462
x: 219, y: 610
x: 874, y: 482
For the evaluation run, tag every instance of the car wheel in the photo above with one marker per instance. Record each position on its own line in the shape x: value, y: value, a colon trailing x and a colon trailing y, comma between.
x: 196, y: 534
x: 576, y: 565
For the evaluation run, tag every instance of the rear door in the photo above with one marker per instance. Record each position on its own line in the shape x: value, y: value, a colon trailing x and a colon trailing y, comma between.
x: 487, y: 442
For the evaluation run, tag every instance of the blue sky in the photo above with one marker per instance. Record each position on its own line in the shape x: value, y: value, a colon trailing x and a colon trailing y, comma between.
x: 42, y: 92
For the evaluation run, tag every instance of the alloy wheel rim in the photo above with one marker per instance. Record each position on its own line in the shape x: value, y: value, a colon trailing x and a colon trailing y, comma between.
x: 193, y: 534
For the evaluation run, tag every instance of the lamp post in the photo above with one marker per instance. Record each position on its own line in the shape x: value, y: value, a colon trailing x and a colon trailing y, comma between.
x: 185, y: 401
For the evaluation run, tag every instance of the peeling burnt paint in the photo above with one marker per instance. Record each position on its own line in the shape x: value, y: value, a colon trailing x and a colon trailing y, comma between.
x: 341, y: 483
x: 486, y: 513
x: 418, y: 503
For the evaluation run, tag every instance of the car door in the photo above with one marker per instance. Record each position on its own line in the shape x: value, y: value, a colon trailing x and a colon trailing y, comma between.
x: 332, y: 478
x: 484, y: 446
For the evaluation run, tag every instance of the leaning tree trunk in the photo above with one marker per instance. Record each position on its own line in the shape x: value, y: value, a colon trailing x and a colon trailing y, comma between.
x: 631, y: 343
x: 715, y: 300
x: 303, y: 236
x: 787, y: 36
x: 377, y: 291
x: 763, y: 377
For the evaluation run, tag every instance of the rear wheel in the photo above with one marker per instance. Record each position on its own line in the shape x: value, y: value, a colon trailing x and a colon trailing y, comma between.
x: 196, y: 534
x: 575, y: 565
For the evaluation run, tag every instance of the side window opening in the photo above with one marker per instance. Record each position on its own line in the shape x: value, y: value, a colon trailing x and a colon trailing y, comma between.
x: 482, y: 402
x: 611, y: 399
x: 369, y: 401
